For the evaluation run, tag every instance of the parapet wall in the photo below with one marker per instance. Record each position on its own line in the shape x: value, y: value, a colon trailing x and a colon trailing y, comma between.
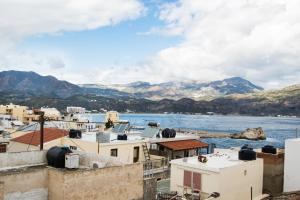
x: 18, y: 159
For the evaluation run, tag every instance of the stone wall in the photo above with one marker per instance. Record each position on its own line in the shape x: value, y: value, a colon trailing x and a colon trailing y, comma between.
x: 273, y: 172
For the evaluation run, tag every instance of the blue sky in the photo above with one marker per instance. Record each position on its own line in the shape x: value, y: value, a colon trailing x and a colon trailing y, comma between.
x: 122, y: 44
x: 121, y: 41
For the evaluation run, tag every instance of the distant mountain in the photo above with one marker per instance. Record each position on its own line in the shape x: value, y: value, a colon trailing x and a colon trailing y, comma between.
x: 277, y: 102
x: 178, y: 90
x: 33, y: 83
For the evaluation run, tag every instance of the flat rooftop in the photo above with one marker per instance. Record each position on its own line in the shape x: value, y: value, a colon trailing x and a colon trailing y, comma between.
x: 112, y: 137
x: 222, y: 158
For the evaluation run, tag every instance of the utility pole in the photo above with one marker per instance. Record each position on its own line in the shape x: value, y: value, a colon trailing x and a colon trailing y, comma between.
x: 41, y: 122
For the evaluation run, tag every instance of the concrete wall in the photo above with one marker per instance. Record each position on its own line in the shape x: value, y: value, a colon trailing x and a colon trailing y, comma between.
x: 273, y: 172
x: 124, y: 182
x: 292, y: 165
x: 150, y: 188
x: 15, y: 159
x: 29, y: 184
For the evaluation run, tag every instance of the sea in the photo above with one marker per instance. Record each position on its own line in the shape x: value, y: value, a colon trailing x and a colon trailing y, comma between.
x: 277, y: 129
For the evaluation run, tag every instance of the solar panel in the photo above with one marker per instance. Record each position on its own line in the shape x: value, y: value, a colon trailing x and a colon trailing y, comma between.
x: 150, y: 132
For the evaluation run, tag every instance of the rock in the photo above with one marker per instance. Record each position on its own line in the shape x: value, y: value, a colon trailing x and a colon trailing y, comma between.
x: 250, y: 134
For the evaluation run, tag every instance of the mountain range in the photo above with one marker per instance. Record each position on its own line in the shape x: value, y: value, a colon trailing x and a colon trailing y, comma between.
x: 178, y: 90
x: 229, y: 96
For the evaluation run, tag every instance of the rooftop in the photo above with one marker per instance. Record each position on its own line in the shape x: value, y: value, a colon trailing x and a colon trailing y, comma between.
x: 222, y: 158
x: 33, y: 138
x: 183, y: 144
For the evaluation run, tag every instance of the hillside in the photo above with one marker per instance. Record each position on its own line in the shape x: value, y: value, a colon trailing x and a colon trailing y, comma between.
x: 33, y: 83
x: 279, y: 102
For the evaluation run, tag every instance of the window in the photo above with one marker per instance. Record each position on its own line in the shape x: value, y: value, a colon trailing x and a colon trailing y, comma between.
x: 114, y: 152
x: 73, y: 147
x: 136, y: 152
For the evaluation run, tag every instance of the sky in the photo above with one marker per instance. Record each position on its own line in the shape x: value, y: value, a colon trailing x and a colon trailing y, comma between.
x: 121, y: 41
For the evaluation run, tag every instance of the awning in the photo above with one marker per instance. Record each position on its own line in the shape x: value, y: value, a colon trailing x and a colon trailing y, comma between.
x: 183, y: 144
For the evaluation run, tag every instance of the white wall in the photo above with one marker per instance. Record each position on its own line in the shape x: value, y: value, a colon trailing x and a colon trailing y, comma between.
x: 291, y: 166
x: 232, y: 182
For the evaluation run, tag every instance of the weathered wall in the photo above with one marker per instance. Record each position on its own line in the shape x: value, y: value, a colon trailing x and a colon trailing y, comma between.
x: 273, y: 172
x: 124, y: 182
x: 24, y: 184
x: 150, y: 188
x: 1, y: 190
x: 15, y: 159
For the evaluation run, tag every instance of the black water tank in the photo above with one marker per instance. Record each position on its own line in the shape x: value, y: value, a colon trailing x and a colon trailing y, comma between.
x: 56, y: 156
x: 246, y: 146
x: 247, y: 154
x: 153, y: 124
x: 269, y: 149
x: 74, y: 133
x: 122, y: 137
x: 168, y: 133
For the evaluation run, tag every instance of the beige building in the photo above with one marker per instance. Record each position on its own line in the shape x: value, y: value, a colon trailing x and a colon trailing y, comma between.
x: 20, y: 113
x: 30, y: 178
x: 113, y: 116
x: 223, y: 173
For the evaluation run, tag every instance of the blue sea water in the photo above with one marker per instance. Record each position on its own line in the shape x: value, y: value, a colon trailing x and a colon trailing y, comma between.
x: 277, y: 129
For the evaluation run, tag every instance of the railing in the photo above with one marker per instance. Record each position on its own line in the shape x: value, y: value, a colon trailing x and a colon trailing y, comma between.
x: 154, y: 166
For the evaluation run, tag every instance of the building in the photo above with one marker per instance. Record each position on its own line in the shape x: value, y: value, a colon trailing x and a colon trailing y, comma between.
x: 174, y: 149
x: 291, y: 165
x: 26, y: 176
x: 75, y: 110
x: 223, y: 173
x: 113, y: 116
x: 51, y: 113
x: 18, y: 112
x: 31, y: 141
x: 273, y: 172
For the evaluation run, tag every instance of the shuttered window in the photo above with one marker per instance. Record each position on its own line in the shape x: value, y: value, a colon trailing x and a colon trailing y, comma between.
x: 187, y: 180
x: 197, y: 181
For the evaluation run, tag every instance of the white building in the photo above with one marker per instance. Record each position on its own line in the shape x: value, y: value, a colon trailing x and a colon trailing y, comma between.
x: 73, y: 110
x: 51, y: 113
x: 223, y: 173
x: 291, y: 165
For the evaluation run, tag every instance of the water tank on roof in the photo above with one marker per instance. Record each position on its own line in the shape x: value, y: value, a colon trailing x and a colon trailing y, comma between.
x: 269, y: 149
x: 122, y: 137
x: 168, y: 133
x: 74, y: 133
x: 247, y: 154
x: 153, y: 124
x: 246, y: 146
x: 56, y: 156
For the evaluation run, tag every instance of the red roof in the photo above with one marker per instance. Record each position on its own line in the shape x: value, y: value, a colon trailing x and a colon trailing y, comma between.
x: 33, y: 138
x: 183, y: 144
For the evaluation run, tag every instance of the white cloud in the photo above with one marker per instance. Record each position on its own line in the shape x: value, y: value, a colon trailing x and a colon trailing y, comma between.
x: 22, y: 18
x: 255, y: 39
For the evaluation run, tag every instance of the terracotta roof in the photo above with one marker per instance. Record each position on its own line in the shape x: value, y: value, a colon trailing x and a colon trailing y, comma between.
x: 183, y: 144
x: 33, y: 138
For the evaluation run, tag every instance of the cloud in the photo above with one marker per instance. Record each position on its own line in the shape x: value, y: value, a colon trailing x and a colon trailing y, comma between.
x: 20, y: 19
x: 255, y: 39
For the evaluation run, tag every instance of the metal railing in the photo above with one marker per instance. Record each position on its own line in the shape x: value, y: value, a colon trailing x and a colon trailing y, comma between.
x: 154, y: 166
